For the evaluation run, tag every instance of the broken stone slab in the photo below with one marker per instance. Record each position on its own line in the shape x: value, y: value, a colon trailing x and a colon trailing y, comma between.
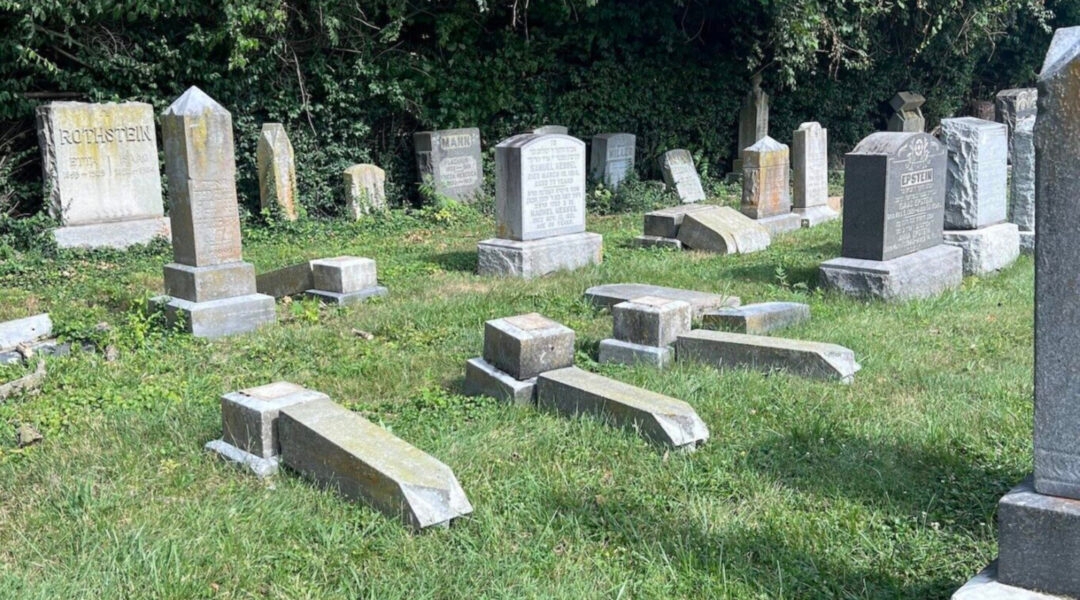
x: 24, y: 352
x: 260, y: 467
x: 27, y: 435
x: 608, y: 295
x: 286, y: 281
x: 526, y: 345
x: 24, y: 331
x: 652, y: 241
x: 666, y: 221
x: 662, y: 419
x: 339, y: 449
x: 809, y: 359
x: 757, y: 319
x: 723, y: 230
x: 483, y: 379
x: 987, y: 249
x: 619, y: 352
x: 986, y: 586
x: 25, y: 383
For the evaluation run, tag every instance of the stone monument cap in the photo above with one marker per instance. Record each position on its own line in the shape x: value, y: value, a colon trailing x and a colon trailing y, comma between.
x: 766, y: 152
x: 906, y: 101
x: 194, y: 102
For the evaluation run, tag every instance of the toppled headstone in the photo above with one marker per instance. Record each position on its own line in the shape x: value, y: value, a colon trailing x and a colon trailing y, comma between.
x: 762, y: 353
x: 338, y: 448
x: 1022, y: 196
x: 681, y: 176
x: 344, y: 280
x: 286, y: 281
x: 276, y: 165
x: 100, y: 163
x: 908, y: 117
x: 723, y: 230
x: 644, y: 330
x: 450, y: 162
x: 753, y: 120
x: 365, y: 190
x: 766, y: 197
x: 1012, y: 106
x: 551, y: 129
x: 756, y: 319
x: 608, y: 295
x: 539, y: 209
x: 662, y: 419
x: 516, y: 350
x: 810, y: 167
x: 208, y: 285
x: 612, y: 158
x: 665, y: 222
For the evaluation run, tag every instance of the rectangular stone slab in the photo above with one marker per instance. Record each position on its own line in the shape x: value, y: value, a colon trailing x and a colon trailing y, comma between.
x: 809, y: 359
x: 724, y: 230
x: 665, y: 222
x: 757, y: 319
x: 483, y: 379
x: 608, y: 295
x: 662, y: 419
x: 218, y: 318
x: 249, y: 416
x: 614, y: 351
x: 510, y: 258
x: 286, y: 281
x: 919, y: 275
x: 987, y: 249
x: 22, y: 331
x: 338, y: 448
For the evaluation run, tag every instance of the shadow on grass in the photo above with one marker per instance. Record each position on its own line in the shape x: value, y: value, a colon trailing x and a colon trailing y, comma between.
x: 461, y: 260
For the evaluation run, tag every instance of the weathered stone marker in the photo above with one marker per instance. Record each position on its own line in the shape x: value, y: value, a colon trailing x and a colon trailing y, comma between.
x: 1039, y: 520
x: 539, y: 209
x: 1013, y: 105
x: 753, y: 120
x: 661, y: 419
x: 908, y: 117
x: 681, y: 176
x: 365, y: 190
x: 608, y: 295
x: 756, y: 319
x: 810, y: 166
x: 102, y: 182
x: 808, y: 359
x: 339, y: 449
x: 516, y: 350
x: 1022, y: 196
x: 723, y: 230
x: 644, y: 330
x: 976, y: 195
x: 612, y: 158
x: 276, y: 164
x: 894, y: 203
x: 766, y: 195
x: 344, y: 280
x: 25, y: 330
x: 450, y: 161
x: 208, y: 285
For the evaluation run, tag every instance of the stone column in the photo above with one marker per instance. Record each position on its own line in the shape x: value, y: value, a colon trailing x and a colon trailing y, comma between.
x: 810, y: 165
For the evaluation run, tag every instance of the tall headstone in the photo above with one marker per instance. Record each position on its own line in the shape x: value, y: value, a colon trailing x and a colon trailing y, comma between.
x: 276, y: 164
x: 612, y: 158
x: 894, y: 206
x: 976, y: 202
x: 1039, y: 520
x: 810, y: 166
x: 1022, y: 196
x: 365, y: 190
x: 450, y: 162
x: 908, y: 117
x: 208, y: 286
x: 681, y: 176
x: 766, y: 195
x: 753, y: 119
x: 100, y: 164
x: 539, y: 208
x: 1015, y: 104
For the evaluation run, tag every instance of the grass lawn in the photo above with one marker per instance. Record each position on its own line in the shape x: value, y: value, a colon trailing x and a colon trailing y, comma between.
x: 882, y: 489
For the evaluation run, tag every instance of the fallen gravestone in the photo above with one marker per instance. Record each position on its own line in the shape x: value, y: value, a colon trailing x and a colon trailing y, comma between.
x: 756, y: 319
x: 894, y: 203
x: 208, y: 287
x: 1022, y: 196
x: 516, y: 350
x: 644, y: 330
x: 608, y: 295
x: 286, y: 281
x: 976, y: 203
x: 753, y: 121
x: 908, y: 117
x: 365, y: 190
x: 766, y: 195
x: 539, y: 209
x: 344, y: 280
x: 810, y: 167
x: 762, y: 353
x: 612, y: 158
x: 661, y: 419
x: 723, y: 230
x: 276, y: 165
x: 661, y: 226
x: 681, y: 176
x: 100, y: 163
x: 450, y: 162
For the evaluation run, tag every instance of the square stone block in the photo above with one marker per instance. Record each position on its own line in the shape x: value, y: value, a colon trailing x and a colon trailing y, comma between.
x: 651, y: 320
x: 202, y: 284
x: 625, y: 353
x: 350, y: 298
x: 1039, y: 541
x: 344, y: 274
x: 527, y: 345
x: 249, y: 417
x: 482, y: 379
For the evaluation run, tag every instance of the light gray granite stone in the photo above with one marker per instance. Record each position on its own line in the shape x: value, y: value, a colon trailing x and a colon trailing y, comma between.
x: 1039, y: 541
x: 339, y: 449
x: 1027, y: 242
x: 665, y: 222
x: 757, y: 319
x: 651, y: 320
x: 921, y: 274
x: 723, y: 230
x: 551, y: 129
x: 610, y: 294
x: 539, y: 187
x: 778, y: 224
x: 662, y: 419
x: 261, y: 467
x: 202, y: 284
x: 25, y: 330
x: 977, y: 189
x: 119, y: 234
x: 511, y: 258
x: 1013, y: 105
x: 988, y: 249
x: 810, y: 166
x: 761, y: 353
x: 614, y: 351
x: 652, y: 241
x: 815, y: 215
x: 249, y: 417
x: 343, y: 274
x: 681, y: 176
x: 985, y: 586
x: 483, y: 379
x: 526, y: 345
x: 1022, y: 197
x: 753, y: 119
x: 348, y: 298
x: 218, y: 318
x: 450, y: 161
x: 286, y: 281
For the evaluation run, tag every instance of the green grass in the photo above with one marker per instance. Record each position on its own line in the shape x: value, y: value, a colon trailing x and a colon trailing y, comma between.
x: 882, y: 489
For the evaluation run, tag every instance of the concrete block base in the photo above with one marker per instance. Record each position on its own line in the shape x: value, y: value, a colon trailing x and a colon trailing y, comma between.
x: 614, y: 351
x: 1027, y: 242
x: 120, y: 234
x: 511, y: 258
x: 986, y: 250
x: 813, y: 216
x: 219, y: 318
x: 1039, y: 541
x: 261, y: 467
x: 654, y: 241
x: 985, y: 586
x: 483, y: 379
x: 349, y: 298
x: 920, y: 274
x: 781, y: 223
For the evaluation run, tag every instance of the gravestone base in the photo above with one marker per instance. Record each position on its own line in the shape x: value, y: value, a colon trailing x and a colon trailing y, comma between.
x: 813, y: 216
x: 534, y: 258
x: 780, y: 223
x: 655, y: 241
x: 614, y: 351
x: 988, y: 249
x: 218, y: 318
x: 350, y: 298
x: 921, y: 274
x: 1038, y: 539
x: 985, y: 586
x: 215, y: 282
x: 261, y: 467
x: 1027, y: 242
x: 484, y: 379
x: 120, y: 234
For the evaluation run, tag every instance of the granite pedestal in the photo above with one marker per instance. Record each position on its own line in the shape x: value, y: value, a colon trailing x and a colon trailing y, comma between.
x: 918, y: 275
x: 535, y: 258
x: 781, y: 223
x: 813, y: 216
x: 987, y: 249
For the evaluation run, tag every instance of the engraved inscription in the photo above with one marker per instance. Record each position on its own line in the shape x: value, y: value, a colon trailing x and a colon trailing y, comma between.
x: 458, y: 171
x: 913, y: 219
x: 553, y: 187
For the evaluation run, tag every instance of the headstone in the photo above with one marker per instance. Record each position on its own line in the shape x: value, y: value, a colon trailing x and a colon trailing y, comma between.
x: 551, y: 129
x: 908, y: 117
x: 681, y: 176
x: 723, y: 230
x: 365, y: 190
x: 661, y: 419
x: 612, y: 158
x: 276, y: 165
x: 608, y: 295
x: 665, y: 222
x: 766, y: 193
x: 344, y: 280
x: 1039, y: 520
x: 1013, y: 105
x: 337, y: 448
x: 1022, y: 196
x: 810, y: 167
x: 981, y: 109
x: 539, y: 209
x: 516, y: 350
x: 644, y: 329
x: 450, y: 161
x: 757, y: 319
x: 100, y: 163
x: 894, y: 204
x: 208, y: 285
x: 762, y: 353
x: 753, y: 120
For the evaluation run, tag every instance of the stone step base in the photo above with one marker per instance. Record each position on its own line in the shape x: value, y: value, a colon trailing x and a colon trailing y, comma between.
x: 986, y: 250
x: 511, y: 258
x: 483, y: 379
x: 219, y: 318
x: 349, y: 298
x: 921, y: 274
x: 812, y: 216
x: 119, y: 234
